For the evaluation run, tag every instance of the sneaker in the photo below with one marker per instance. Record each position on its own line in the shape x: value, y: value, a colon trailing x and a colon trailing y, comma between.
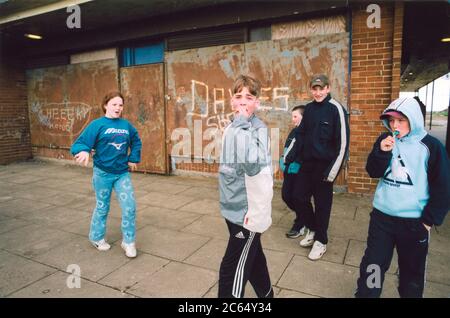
x: 308, y: 240
x: 293, y: 233
x: 317, y: 251
x: 101, y: 245
x: 129, y: 248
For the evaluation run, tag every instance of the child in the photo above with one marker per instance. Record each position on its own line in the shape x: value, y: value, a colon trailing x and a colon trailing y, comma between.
x: 111, y: 137
x: 321, y: 148
x: 290, y: 178
x: 412, y: 195
x: 245, y: 183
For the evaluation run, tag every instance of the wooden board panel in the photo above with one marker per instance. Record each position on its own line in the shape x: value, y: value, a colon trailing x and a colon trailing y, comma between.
x: 143, y: 88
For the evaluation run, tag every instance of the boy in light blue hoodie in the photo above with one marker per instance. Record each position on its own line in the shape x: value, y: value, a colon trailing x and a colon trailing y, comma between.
x: 412, y: 196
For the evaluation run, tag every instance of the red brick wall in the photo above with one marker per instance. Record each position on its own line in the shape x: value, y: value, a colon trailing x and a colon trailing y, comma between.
x: 15, y: 141
x: 375, y: 82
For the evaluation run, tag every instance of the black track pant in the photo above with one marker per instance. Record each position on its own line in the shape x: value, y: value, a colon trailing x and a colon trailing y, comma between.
x: 310, y: 184
x: 288, y: 192
x: 243, y: 261
x: 410, y: 238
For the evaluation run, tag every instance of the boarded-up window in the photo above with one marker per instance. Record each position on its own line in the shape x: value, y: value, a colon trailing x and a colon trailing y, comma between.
x: 311, y: 27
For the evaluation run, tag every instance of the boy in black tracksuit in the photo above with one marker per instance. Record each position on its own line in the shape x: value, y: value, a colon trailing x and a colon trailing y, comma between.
x: 320, y: 150
x: 290, y: 173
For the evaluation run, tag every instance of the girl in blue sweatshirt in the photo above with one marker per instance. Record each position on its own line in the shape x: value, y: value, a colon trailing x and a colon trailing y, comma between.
x: 111, y: 137
x: 412, y: 196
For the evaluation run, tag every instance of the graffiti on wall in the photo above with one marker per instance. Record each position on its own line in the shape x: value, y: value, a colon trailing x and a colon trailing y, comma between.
x: 214, y: 111
x: 60, y: 119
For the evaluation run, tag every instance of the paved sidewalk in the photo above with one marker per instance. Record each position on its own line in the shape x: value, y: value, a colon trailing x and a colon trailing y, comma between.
x: 45, y: 211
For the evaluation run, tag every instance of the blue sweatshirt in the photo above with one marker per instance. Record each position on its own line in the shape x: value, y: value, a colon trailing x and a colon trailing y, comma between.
x: 415, y: 175
x: 111, y: 139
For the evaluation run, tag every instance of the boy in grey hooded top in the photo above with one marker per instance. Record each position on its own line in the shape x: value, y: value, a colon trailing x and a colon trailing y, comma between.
x: 246, y: 190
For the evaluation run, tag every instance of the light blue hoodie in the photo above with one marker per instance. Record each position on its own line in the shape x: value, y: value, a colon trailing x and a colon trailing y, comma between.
x: 403, y: 191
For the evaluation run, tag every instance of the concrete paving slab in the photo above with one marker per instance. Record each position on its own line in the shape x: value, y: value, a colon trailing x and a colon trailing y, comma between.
x: 77, y: 187
x: 165, y: 218
x: 164, y: 187
x: 286, y: 220
x: 9, y: 189
x: 277, y: 203
x: 139, y: 193
x: 349, y: 229
x: 4, y: 198
x: 164, y: 200
x: 71, y: 200
x: 323, y: 279
x: 209, y: 255
x: 350, y: 198
x: 202, y: 206
x: 9, y: 224
x: 436, y: 290
x: 196, y: 181
x: 177, y: 280
x: 55, y: 286
x: 439, y: 244
x: 278, y: 215
x: 94, y: 264
x: 209, y: 192
x: 444, y: 229
x: 170, y: 244
x: 17, y: 207
x: 53, y: 183
x: 23, y: 179
x: 343, y: 211
x: 211, y: 226
x: 33, y: 240
x: 363, y: 214
x: 141, y: 268
x: 438, y: 268
x: 276, y: 262
x: 5, y: 218
x: 54, y: 216
x: 214, y: 290
x: 30, y: 192
x: 18, y: 272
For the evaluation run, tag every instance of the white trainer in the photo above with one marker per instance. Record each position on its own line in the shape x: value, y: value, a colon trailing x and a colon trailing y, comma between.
x: 101, y: 245
x: 317, y: 251
x: 129, y: 248
x: 308, y: 240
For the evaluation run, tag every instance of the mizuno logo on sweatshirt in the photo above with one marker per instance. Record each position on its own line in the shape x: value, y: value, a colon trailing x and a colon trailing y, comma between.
x: 116, y: 131
x: 118, y: 146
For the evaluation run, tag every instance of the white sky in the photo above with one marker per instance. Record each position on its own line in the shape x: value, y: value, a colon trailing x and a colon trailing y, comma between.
x: 441, y: 94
